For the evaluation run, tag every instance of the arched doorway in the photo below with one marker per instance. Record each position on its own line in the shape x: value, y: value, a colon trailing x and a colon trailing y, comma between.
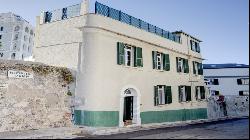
x: 129, y: 106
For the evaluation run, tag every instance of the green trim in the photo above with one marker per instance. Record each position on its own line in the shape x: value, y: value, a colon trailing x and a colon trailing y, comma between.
x: 97, y: 118
x: 173, y: 115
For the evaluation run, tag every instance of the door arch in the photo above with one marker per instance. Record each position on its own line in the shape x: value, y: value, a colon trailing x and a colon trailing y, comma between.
x: 130, y: 91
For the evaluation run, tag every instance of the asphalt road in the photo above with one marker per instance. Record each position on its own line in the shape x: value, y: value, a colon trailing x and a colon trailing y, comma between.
x: 228, y: 129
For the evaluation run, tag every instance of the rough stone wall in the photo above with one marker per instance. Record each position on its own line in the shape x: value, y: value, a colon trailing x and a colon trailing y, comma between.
x: 235, y: 106
x: 43, y: 101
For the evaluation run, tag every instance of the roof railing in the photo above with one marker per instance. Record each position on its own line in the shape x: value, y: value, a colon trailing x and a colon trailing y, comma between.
x: 138, y: 23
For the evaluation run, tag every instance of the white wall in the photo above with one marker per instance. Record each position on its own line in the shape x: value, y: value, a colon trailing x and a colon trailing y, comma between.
x: 228, y: 82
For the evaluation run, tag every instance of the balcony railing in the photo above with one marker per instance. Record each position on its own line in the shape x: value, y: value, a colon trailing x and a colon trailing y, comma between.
x: 62, y: 14
x: 138, y: 23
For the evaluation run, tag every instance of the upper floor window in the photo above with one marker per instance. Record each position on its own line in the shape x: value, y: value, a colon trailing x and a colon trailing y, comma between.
x: 17, y: 28
x: 161, y: 61
x: 1, y: 54
x: 31, y: 32
x: 215, y: 92
x: 26, y: 29
x: 0, y: 36
x: 199, y: 92
x: 16, y: 37
x: 1, y: 29
x: 184, y: 93
x: 1, y: 45
x: 162, y: 95
x: 195, y: 46
x: 182, y: 65
x: 243, y: 81
x: 211, y: 81
x: 197, y: 68
x: 129, y: 55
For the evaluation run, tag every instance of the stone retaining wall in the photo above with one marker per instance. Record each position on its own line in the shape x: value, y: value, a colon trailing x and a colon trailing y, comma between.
x: 41, y: 100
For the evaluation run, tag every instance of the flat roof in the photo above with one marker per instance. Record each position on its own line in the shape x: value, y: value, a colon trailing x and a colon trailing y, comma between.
x: 222, y: 66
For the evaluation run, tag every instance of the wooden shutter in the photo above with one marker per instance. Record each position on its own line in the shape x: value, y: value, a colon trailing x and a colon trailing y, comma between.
x: 138, y: 61
x: 180, y: 97
x: 168, y: 95
x: 154, y: 59
x: 202, y: 91
x: 188, y: 93
x: 177, y: 64
x: 194, y: 70
x: 239, y: 81
x: 186, y: 66
x: 166, y: 62
x: 198, y: 48
x: 120, y: 53
x: 155, y: 95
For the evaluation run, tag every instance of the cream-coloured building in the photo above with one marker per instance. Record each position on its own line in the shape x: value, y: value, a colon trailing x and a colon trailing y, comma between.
x: 129, y: 72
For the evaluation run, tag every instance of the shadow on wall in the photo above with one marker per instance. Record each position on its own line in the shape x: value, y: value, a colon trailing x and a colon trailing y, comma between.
x: 230, y: 105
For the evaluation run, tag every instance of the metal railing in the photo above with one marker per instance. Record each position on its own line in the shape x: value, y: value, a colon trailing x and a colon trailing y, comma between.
x: 125, y: 18
x: 63, y: 13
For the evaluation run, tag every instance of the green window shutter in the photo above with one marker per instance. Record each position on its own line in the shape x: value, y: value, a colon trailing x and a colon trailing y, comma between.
x: 135, y: 58
x: 202, y: 88
x: 198, y: 48
x: 201, y: 68
x: 177, y: 64
x: 166, y: 62
x: 239, y: 81
x: 156, y: 95
x: 186, y: 66
x: 179, y: 91
x: 120, y: 53
x: 194, y: 70
x: 154, y: 59
x: 138, y: 57
x: 168, y: 95
x: 188, y: 93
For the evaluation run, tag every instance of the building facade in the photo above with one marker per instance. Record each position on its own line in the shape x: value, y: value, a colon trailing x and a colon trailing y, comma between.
x: 58, y: 38
x: 129, y: 72
x: 16, y: 38
x: 227, y: 79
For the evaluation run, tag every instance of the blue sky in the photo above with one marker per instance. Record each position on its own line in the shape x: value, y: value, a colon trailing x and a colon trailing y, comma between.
x: 222, y: 25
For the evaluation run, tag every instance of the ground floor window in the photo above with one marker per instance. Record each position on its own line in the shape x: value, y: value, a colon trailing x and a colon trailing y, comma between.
x: 184, y: 93
x: 162, y: 95
x: 200, y: 92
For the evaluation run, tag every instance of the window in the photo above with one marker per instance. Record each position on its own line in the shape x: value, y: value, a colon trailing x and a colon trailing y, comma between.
x: 0, y: 36
x: 16, y: 37
x: 243, y: 93
x: 184, y: 93
x: 212, y: 81
x: 1, y: 54
x: 17, y: 28
x: 197, y: 68
x: 182, y: 65
x: 200, y: 92
x: 162, y: 95
x: 161, y: 61
x: 25, y: 38
x: 1, y: 29
x: 31, y: 32
x: 215, y: 92
x: 22, y: 57
x: 129, y: 55
x: 27, y: 30
x: 13, y: 56
x: 243, y: 81
x: 195, y: 46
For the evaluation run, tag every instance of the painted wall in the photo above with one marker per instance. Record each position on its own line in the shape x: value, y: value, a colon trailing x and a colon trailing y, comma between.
x: 228, y: 80
x: 58, y: 43
x: 100, y: 79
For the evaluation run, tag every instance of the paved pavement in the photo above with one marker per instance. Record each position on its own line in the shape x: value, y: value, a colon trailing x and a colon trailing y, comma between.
x: 228, y: 129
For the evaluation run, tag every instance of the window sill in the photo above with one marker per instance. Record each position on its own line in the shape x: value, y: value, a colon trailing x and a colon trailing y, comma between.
x: 162, y: 105
x: 131, y: 67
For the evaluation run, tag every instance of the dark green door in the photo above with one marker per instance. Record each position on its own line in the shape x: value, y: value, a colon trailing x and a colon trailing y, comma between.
x: 128, y: 109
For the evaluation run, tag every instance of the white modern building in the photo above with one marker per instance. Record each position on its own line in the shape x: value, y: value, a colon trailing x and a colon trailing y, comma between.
x: 16, y: 37
x: 129, y: 72
x: 227, y: 79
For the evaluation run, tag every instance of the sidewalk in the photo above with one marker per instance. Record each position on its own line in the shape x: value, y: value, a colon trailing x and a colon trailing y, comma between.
x: 78, y: 131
